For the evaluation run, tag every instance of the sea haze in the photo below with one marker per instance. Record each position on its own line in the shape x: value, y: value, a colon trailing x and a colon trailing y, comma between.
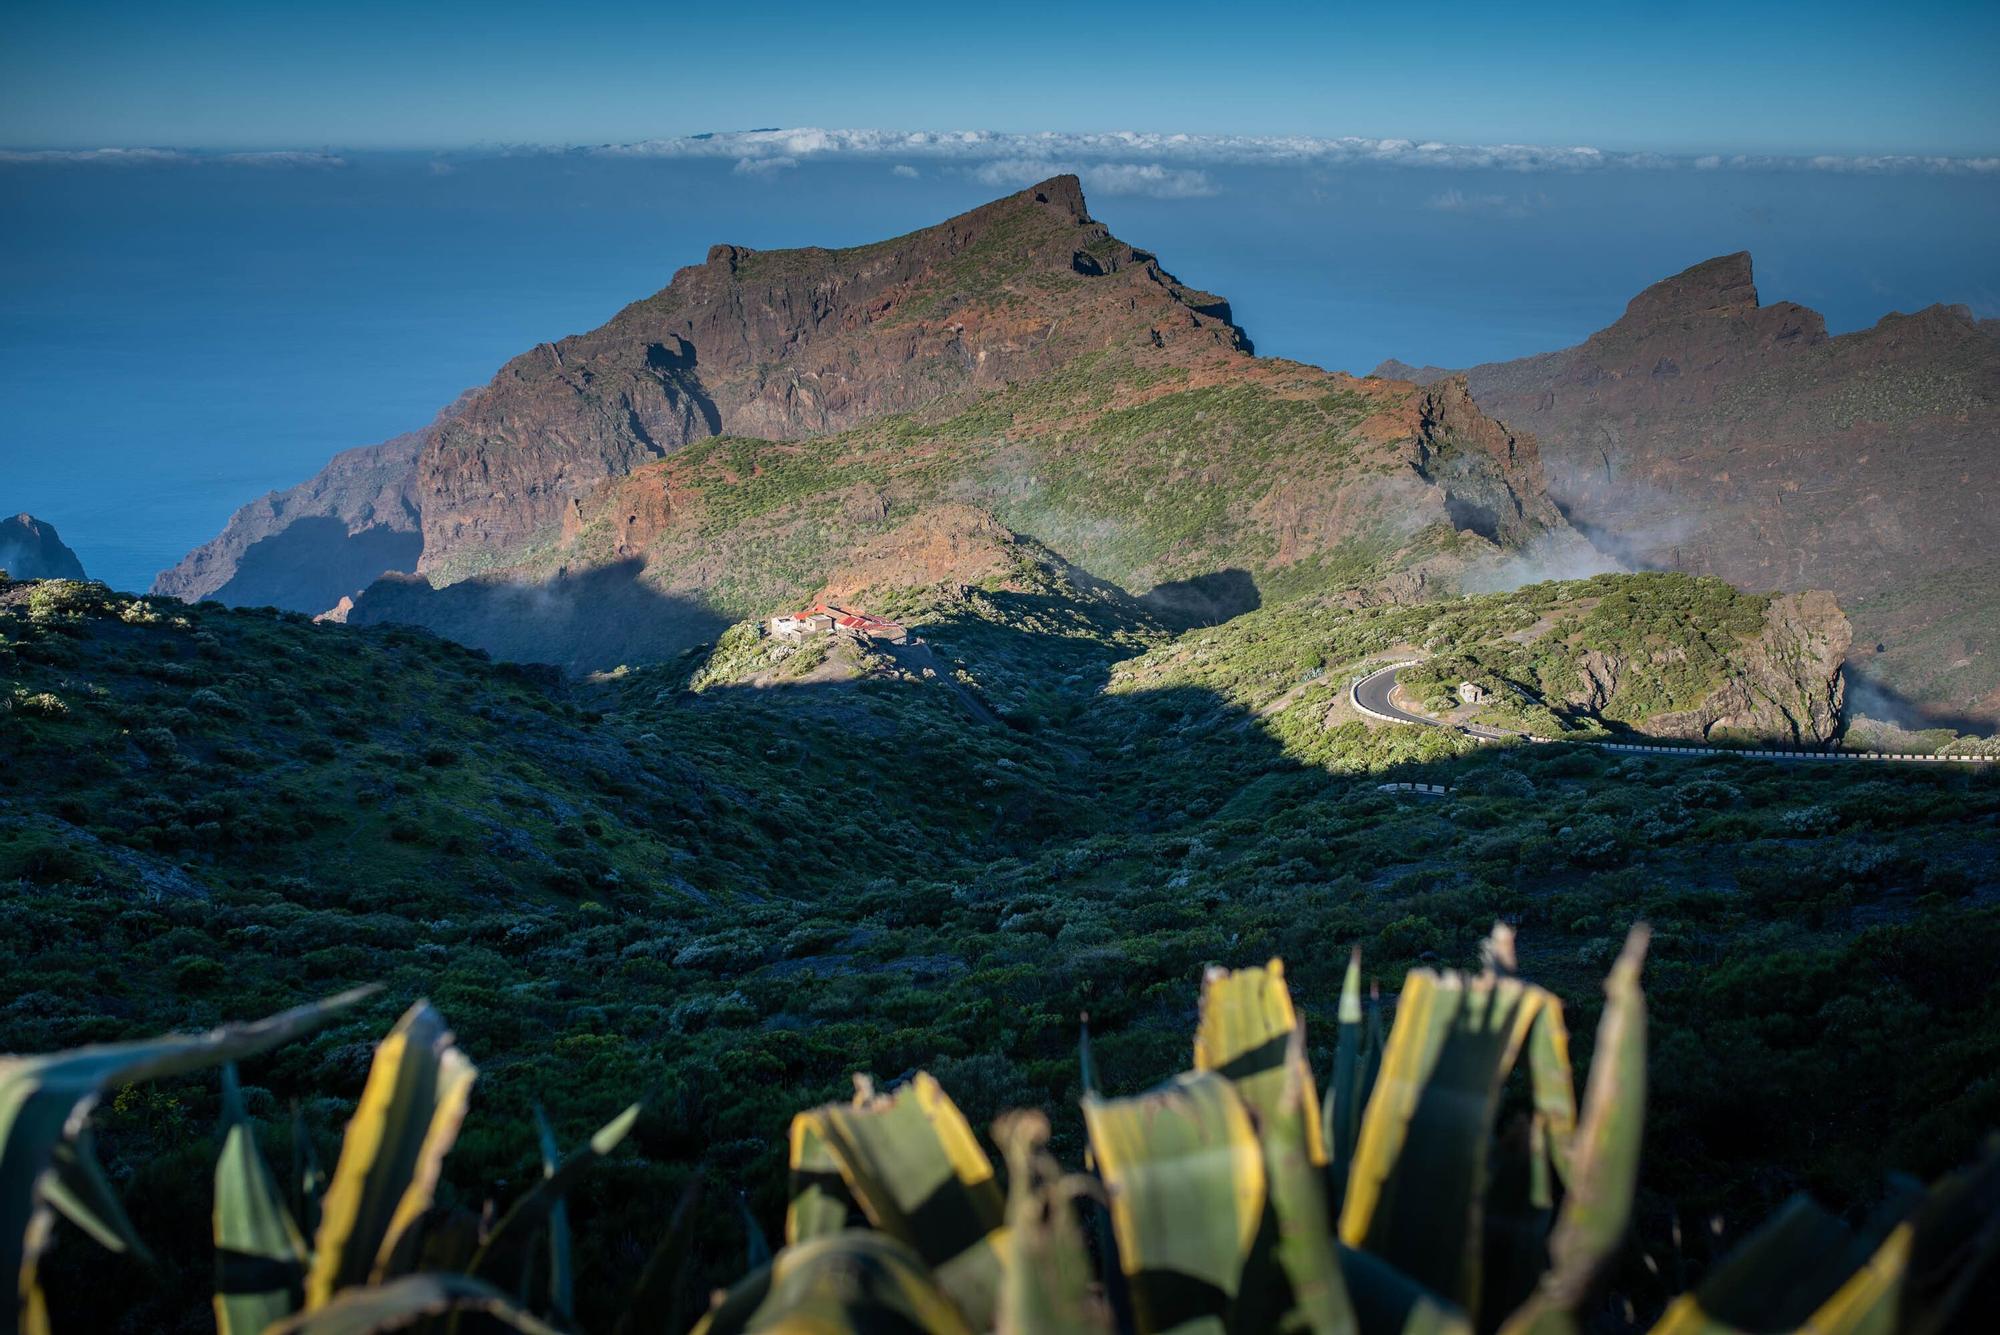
x: 177, y: 339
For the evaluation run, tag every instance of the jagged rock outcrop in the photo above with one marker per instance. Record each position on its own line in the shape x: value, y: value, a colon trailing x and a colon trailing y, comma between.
x: 1707, y: 432
x: 30, y: 549
x: 1786, y: 685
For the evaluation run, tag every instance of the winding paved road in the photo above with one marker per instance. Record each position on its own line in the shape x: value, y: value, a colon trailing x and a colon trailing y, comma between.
x: 1371, y: 696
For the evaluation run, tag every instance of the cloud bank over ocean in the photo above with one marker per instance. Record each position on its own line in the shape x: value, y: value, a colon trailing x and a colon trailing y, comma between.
x: 983, y: 148
x: 1165, y: 166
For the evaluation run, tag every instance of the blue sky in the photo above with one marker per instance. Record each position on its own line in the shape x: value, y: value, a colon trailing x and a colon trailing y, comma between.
x: 1673, y: 76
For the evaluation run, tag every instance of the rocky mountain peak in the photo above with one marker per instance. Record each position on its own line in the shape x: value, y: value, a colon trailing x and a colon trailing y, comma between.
x: 1719, y: 286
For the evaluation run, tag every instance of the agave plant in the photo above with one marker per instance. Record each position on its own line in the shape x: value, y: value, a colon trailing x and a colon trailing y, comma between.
x: 381, y: 1253
x: 1234, y: 1198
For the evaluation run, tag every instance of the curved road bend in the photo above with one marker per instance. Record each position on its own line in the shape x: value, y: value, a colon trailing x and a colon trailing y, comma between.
x: 1372, y: 694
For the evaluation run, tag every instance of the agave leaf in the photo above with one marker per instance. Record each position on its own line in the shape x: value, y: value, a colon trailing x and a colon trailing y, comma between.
x: 1554, y: 1084
x: 1344, y: 1094
x: 45, y: 1102
x: 1305, y: 1243
x: 390, y: 1157
x: 1045, y: 1285
x: 1604, y: 1173
x: 654, y: 1304
x: 756, y: 1247
x: 562, y: 1275
x: 260, y: 1255
x: 913, y: 1165
x: 1086, y: 1060
x: 503, y: 1256
x: 80, y: 1193
x: 1415, y: 1191
x: 407, y: 1300
x: 1915, y: 1270
x: 1246, y: 1027
x: 1954, y: 1261
x: 819, y: 1201
x: 1386, y: 1301
x: 308, y: 1177
x: 1774, y: 1279
x: 1185, y: 1176
x: 845, y: 1283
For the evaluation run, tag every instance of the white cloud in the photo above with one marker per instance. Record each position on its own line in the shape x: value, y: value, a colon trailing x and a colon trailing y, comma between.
x: 1149, y: 179
x: 1191, y: 152
x: 904, y: 169
x: 763, y: 166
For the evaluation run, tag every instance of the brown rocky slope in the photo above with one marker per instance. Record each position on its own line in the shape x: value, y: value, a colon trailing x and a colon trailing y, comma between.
x: 1706, y: 432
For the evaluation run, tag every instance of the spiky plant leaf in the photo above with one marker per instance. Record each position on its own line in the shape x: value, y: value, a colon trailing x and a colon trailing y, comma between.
x: 408, y: 1300
x: 260, y: 1255
x: 562, y: 1275
x: 308, y: 1183
x: 1341, y: 1121
x: 1185, y: 1176
x: 503, y: 1255
x: 1604, y: 1174
x: 390, y: 1157
x: 45, y: 1102
x: 1305, y: 1243
x: 1415, y: 1191
x: 851, y: 1283
x: 1774, y: 1279
x: 819, y: 1203
x: 1247, y: 1022
x: 1387, y: 1302
x: 1554, y: 1085
x: 1954, y: 1261
x: 913, y: 1165
x: 79, y: 1192
x: 1047, y: 1278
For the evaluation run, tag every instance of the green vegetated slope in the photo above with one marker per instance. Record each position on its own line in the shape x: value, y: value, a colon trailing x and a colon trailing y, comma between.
x: 722, y: 897
x: 1143, y: 474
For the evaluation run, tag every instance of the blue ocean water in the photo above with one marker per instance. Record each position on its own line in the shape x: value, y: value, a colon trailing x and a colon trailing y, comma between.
x: 176, y: 340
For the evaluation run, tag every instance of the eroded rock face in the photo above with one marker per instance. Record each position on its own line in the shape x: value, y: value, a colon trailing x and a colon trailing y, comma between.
x: 953, y: 544
x: 1788, y: 686
x: 307, y: 548
x: 30, y: 549
x: 1707, y: 432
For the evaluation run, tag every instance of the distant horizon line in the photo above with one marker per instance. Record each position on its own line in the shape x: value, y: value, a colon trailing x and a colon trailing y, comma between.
x: 990, y: 153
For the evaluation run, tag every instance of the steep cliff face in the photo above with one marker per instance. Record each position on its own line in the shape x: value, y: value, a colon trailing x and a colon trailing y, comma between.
x: 30, y: 549
x: 306, y: 548
x: 1707, y: 432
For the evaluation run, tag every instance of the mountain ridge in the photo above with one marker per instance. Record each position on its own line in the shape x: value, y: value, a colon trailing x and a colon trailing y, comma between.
x: 1708, y: 432
x: 1017, y: 359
